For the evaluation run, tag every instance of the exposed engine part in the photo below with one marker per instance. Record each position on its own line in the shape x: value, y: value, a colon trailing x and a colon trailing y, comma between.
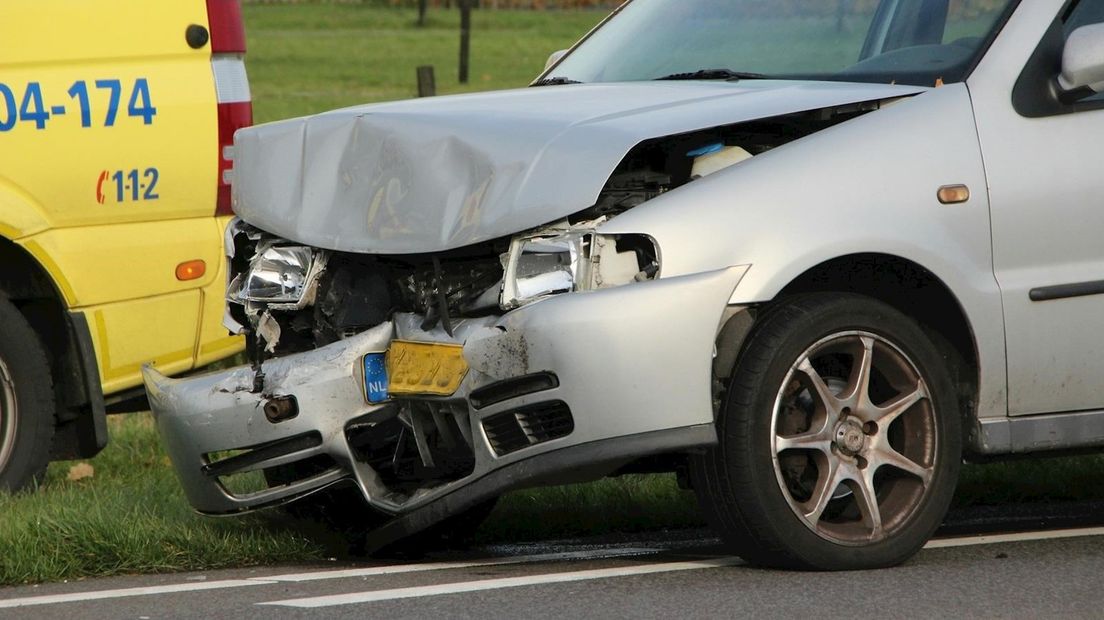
x: 715, y: 158
x: 629, y: 189
x: 655, y: 167
x: 464, y: 283
x: 355, y: 292
x: 352, y: 298
x: 420, y: 441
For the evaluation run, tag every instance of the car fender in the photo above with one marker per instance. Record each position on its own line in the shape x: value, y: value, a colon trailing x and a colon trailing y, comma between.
x: 865, y: 186
x: 20, y: 213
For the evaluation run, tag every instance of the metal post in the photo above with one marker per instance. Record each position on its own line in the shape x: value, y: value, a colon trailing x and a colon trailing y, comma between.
x: 465, y: 38
x: 427, y: 84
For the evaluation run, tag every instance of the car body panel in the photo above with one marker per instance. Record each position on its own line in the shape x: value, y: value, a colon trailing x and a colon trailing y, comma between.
x: 1044, y: 175
x: 805, y: 203
x: 587, y: 340
x: 436, y: 174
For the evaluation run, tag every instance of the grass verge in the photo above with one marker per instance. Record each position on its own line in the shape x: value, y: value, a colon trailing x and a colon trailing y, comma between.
x: 130, y: 515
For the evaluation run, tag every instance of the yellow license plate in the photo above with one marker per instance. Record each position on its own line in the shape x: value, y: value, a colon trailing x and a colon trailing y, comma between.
x: 425, y: 368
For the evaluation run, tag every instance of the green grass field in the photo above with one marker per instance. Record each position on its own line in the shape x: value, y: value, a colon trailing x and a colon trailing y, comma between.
x: 131, y: 516
x: 304, y: 59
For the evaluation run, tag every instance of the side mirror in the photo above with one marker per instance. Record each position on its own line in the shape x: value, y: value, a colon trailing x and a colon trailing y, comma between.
x: 1082, y: 64
x: 554, y: 58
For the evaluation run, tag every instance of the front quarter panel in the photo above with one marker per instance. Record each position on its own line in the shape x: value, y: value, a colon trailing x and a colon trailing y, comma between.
x: 866, y: 186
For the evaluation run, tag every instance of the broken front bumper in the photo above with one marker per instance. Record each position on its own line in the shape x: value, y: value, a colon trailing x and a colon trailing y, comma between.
x: 632, y: 368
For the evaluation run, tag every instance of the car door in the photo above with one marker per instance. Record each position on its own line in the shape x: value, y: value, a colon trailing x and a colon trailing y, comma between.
x: 1046, y: 186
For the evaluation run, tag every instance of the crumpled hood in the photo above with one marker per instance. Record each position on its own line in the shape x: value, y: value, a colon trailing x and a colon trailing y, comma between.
x: 429, y: 175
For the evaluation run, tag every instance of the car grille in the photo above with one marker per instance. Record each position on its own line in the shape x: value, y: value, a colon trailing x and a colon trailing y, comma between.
x: 528, y: 426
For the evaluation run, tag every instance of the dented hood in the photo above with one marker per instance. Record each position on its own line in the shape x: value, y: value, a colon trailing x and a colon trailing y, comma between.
x: 428, y: 175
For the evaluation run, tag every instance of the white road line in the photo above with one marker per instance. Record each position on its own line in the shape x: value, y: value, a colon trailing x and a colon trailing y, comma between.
x: 594, y: 554
x: 125, y: 592
x: 196, y: 586
x: 497, y: 584
x: 989, y: 539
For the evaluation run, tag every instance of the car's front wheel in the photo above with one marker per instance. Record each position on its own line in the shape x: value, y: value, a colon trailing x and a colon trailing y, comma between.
x: 840, y: 438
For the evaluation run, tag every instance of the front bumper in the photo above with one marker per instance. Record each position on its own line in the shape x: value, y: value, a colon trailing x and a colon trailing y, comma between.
x: 631, y: 362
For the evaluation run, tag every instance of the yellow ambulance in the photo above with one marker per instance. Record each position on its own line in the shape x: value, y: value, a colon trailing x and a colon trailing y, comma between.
x: 114, y: 120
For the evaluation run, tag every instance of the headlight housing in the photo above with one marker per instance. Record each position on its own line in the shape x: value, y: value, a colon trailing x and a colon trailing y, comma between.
x: 280, y: 275
x: 566, y: 259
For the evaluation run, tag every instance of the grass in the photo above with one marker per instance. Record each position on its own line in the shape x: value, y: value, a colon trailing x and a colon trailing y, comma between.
x: 131, y: 516
x: 307, y: 59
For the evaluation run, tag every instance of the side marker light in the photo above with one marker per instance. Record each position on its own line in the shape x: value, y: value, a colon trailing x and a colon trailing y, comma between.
x: 191, y: 270
x: 953, y: 194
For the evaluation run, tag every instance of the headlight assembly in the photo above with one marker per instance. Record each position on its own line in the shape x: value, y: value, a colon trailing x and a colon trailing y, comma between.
x: 280, y: 275
x: 556, y: 261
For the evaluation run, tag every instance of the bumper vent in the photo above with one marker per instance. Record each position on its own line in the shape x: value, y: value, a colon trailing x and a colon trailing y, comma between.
x: 513, y: 388
x: 513, y: 430
x: 248, y: 459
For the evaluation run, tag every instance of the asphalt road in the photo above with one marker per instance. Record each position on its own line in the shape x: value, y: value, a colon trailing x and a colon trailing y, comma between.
x: 681, y: 575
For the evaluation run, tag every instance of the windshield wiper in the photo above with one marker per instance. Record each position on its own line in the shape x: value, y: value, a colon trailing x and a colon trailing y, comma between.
x: 714, y: 74
x: 555, y: 81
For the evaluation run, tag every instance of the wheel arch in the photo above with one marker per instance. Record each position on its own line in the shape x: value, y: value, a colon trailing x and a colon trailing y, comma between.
x: 80, y: 424
x: 899, y: 282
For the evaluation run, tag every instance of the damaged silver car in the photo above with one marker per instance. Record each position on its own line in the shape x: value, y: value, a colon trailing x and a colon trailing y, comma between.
x: 808, y: 256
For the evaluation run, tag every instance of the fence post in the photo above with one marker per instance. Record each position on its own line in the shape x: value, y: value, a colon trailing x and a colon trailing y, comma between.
x: 427, y: 84
x: 423, y: 5
x: 465, y: 38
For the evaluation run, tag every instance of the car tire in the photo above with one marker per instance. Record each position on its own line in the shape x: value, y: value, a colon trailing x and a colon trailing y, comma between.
x: 342, y: 509
x: 839, y: 438
x: 339, y: 508
x: 458, y: 530
x: 27, y: 402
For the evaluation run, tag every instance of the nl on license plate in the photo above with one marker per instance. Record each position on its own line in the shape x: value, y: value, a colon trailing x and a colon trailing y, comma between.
x: 414, y: 368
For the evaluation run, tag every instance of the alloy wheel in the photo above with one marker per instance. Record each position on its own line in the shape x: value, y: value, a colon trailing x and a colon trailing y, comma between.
x: 854, y: 438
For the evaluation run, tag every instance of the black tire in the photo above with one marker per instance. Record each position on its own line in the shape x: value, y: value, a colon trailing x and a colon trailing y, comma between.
x: 27, y: 402
x: 798, y: 512
x: 459, y: 529
x: 340, y: 508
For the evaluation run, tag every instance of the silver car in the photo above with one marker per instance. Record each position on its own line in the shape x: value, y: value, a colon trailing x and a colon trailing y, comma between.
x: 810, y: 255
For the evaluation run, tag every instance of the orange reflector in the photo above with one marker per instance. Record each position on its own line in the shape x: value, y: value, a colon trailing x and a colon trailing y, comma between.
x: 191, y: 270
x: 953, y: 194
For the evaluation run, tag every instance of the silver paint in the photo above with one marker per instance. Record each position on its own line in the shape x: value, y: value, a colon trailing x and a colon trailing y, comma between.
x: 568, y: 335
x: 434, y: 174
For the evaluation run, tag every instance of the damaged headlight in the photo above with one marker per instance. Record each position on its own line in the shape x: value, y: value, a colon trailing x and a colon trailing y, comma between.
x: 277, y: 275
x: 559, y: 260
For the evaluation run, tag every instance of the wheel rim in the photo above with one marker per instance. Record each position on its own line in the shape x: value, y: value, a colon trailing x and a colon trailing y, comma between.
x: 8, y: 415
x: 854, y: 438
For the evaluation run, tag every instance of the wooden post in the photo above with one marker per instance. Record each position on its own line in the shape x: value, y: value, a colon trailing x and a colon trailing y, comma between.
x: 423, y: 5
x: 465, y: 38
x: 427, y: 84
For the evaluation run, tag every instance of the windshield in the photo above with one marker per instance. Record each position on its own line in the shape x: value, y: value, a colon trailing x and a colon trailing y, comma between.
x: 920, y: 42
